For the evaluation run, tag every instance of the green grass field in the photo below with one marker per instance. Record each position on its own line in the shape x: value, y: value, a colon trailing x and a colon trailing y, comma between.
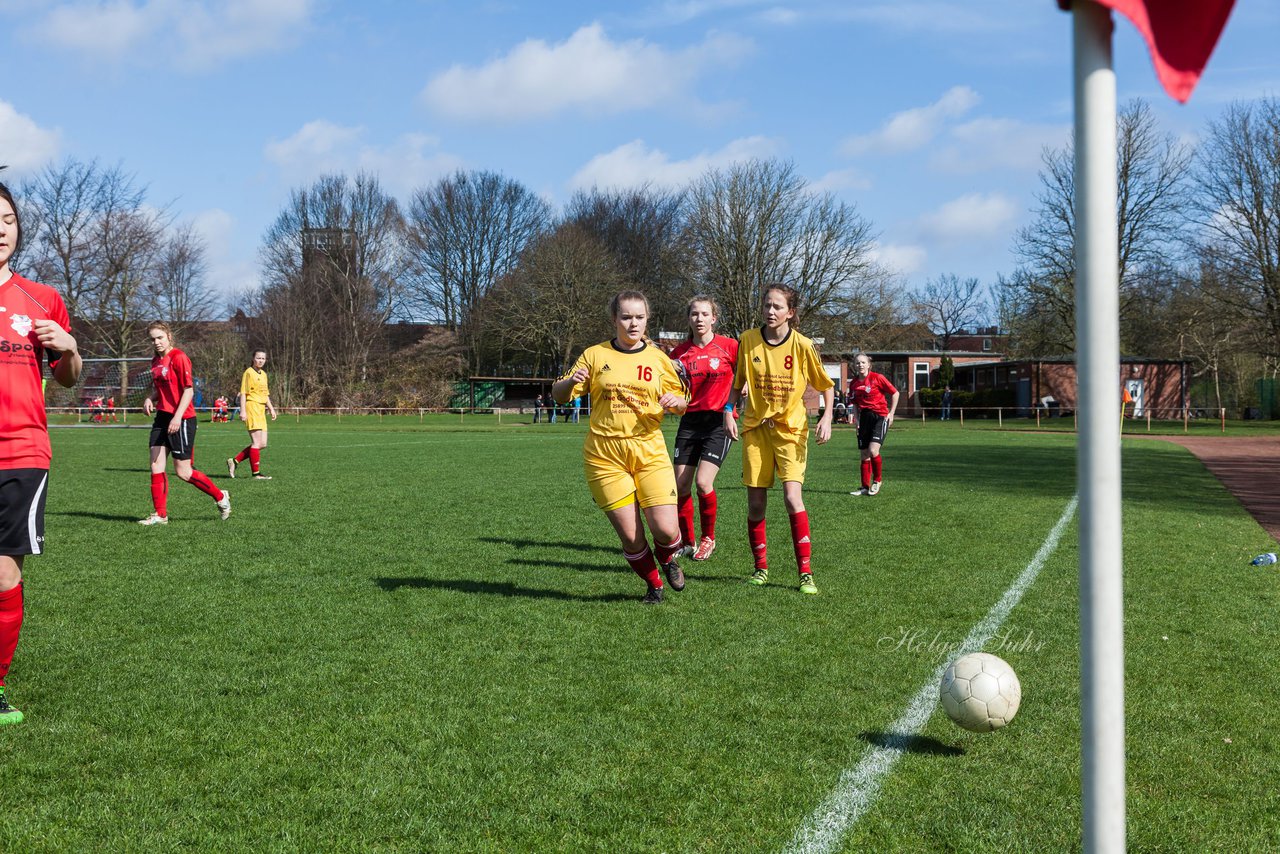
x: 421, y: 636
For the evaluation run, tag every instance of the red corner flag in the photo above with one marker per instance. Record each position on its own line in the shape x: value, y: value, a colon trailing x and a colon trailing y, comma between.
x: 1180, y: 33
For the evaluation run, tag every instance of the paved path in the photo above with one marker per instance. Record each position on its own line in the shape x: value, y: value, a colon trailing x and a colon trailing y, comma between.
x: 1247, y: 466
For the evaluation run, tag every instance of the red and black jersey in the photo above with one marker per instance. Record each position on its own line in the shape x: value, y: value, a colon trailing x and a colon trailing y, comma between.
x: 872, y: 393
x: 709, y: 370
x: 24, y: 429
x: 171, y: 374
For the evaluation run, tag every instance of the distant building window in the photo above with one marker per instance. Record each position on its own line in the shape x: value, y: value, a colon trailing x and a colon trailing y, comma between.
x: 922, y: 375
x: 986, y: 344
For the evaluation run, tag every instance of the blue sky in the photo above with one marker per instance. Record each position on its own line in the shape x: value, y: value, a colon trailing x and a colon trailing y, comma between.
x: 928, y: 116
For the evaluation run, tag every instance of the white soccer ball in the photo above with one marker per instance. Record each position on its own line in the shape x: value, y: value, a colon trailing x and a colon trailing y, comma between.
x: 980, y: 692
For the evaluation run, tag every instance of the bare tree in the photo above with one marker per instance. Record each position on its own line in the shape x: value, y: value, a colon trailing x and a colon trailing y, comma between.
x: 756, y: 223
x: 178, y: 290
x: 332, y: 266
x: 1151, y: 206
x: 643, y: 229
x: 464, y: 233
x: 554, y: 304
x: 1237, y: 179
x: 949, y: 305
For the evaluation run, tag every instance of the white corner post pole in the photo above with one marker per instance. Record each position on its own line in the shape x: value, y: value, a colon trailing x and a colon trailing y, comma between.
x: 1098, y: 451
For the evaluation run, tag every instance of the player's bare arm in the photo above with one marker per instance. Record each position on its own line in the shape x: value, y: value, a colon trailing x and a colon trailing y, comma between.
x: 673, y: 403
x: 53, y: 337
x: 560, y: 388
x: 823, y: 431
x: 893, y: 406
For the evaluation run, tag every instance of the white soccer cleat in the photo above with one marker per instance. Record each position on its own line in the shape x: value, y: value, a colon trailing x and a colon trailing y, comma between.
x: 860, y: 492
x: 154, y: 519
x: 875, y: 487
x: 231, y: 467
x: 224, y: 506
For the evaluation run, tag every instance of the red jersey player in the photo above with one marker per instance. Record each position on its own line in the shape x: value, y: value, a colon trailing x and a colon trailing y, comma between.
x: 174, y: 429
x: 701, y: 441
x: 876, y: 399
x: 33, y: 325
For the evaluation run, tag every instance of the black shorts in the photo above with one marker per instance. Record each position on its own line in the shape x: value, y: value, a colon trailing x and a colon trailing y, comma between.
x: 872, y: 428
x: 22, y: 493
x: 181, y: 444
x: 701, y: 437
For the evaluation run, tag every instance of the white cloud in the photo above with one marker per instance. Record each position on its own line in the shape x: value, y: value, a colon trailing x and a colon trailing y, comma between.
x: 938, y: 17
x: 24, y: 145
x: 900, y: 258
x: 192, y: 34
x: 841, y: 179
x: 321, y: 147
x: 634, y: 164
x: 975, y: 216
x: 1005, y: 144
x: 914, y: 128
x: 588, y: 71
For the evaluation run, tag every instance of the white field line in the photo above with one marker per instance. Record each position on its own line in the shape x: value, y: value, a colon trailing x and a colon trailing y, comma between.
x: 857, y: 788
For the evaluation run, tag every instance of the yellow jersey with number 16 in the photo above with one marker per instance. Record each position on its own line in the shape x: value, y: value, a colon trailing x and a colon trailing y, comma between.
x: 624, y: 387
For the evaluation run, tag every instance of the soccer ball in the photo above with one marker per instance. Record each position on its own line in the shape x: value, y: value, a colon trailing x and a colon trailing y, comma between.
x: 980, y: 692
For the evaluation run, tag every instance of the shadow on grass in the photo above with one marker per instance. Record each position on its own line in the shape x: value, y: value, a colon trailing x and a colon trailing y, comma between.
x: 921, y: 745
x: 495, y: 588
x: 106, y: 517
x: 568, y: 564
x: 547, y: 544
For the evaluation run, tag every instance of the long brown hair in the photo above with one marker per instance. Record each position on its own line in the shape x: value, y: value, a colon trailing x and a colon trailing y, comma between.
x: 8, y: 197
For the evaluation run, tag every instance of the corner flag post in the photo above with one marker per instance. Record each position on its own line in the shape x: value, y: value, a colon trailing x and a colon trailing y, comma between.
x: 1098, y: 456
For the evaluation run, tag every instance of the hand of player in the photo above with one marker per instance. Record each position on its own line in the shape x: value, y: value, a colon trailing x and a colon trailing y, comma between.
x: 175, y: 424
x: 147, y: 406
x: 889, y: 420
x: 671, y: 401
x: 273, y: 415
x: 579, y: 375
x: 823, y: 431
x: 54, y: 337
x: 243, y: 416
x: 731, y: 426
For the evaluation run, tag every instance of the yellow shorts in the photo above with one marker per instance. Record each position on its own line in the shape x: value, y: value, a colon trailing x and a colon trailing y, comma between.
x: 766, y: 452
x: 255, y: 416
x: 619, y: 468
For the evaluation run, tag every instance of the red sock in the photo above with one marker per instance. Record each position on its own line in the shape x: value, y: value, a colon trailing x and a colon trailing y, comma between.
x: 707, y: 512
x: 160, y: 493
x: 875, y: 467
x: 645, y: 567
x: 684, y: 510
x: 800, y: 539
x: 755, y: 536
x: 10, y: 625
x: 255, y: 458
x: 202, y: 483
x: 667, y: 552
x: 866, y: 473
x: 243, y: 455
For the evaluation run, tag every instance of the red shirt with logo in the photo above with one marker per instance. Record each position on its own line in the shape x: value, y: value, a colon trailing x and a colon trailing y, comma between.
x: 872, y: 392
x: 710, y: 371
x: 24, y: 429
x: 171, y: 374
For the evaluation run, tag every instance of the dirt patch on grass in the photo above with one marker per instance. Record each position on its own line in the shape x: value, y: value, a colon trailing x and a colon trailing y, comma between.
x: 1247, y: 466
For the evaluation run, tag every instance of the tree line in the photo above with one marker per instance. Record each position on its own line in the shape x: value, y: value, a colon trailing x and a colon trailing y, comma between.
x: 513, y: 287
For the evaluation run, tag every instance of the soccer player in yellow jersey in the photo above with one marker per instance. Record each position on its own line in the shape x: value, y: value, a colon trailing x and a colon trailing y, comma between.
x: 632, y: 384
x: 776, y: 364
x: 255, y: 400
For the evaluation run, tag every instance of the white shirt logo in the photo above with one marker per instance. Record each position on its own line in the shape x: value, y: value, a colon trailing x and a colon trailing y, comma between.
x: 21, y: 324
x: 715, y: 363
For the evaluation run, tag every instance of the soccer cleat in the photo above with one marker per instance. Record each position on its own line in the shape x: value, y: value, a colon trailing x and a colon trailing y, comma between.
x: 231, y: 467
x: 806, y: 583
x: 261, y: 476
x: 684, y: 551
x: 759, y: 578
x: 705, y: 548
x: 653, y: 597
x: 863, y: 491
x: 154, y: 519
x: 8, y: 714
x: 674, y: 575
x: 875, y: 487
x: 224, y: 506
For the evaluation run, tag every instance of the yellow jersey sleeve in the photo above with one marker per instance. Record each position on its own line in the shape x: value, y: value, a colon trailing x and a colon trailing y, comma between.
x: 584, y: 361
x: 813, y: 368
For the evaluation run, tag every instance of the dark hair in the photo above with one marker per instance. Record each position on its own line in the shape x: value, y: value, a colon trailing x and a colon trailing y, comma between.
x: 256, y: 351
x: 8, y: 197
x: 789, y: 293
